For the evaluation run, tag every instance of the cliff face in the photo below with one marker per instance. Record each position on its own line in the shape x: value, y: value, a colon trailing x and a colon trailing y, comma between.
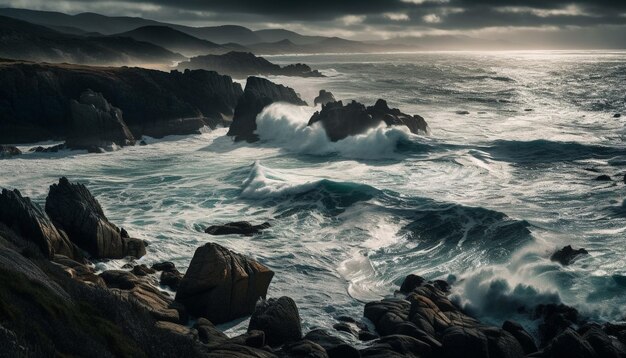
x: 35, y: 98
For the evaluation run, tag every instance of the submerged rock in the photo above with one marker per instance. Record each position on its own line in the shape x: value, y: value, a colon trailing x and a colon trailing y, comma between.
x: 324, y: 98
x: 27, y: 220
x: 462, y: 113
x: 258, y: 94
x: 617, y: 115
x: 567, y: 255
x: 238, y: 228
x: 97, y: 124
x: 221, y: 285
x: 51, y: 149
x: 279, y: 319
x: 354, y: 118
x: 78, y: 213
x: 603, y: 177
x: 9, y: 151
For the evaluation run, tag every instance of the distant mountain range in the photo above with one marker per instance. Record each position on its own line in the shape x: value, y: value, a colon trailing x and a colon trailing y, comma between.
x: 27, y: 41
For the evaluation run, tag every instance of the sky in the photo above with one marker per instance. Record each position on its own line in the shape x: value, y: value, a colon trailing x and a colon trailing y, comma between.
x: 567, y: 21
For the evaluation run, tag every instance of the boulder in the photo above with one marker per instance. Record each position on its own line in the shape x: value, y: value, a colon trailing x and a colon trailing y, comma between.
x: 502, y: 344
x: 567, y: 255
x: 617, y: 115
x: 142, y: 270
x: 96, y: 123
x: 50, y: 149
x: 324, y: 98
x: 600, y: 341
x: 221, y: 285
x: 603, y: 177
x: 279, y: 319
x: 207, y: 333
x: 354, y: 118
x: 171, y: 279
x: 79, y: 271
x: 258, y: 94
x: 27, y: 220
x: 164, y: 266
x: 303, y: 349
x: 524, y: 338
x: 76, y: 211
x: 9, y: 151
x: 464, y: 342
x: 237, y: 228
x: 555, y: 318
x: 411, y: 282
x: 570, y: 344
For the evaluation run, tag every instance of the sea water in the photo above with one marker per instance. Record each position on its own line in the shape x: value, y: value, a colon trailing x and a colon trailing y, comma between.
x: 482, y: 200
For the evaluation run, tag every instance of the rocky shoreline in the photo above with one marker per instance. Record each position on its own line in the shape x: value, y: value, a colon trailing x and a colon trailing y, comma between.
x: 49, y: 281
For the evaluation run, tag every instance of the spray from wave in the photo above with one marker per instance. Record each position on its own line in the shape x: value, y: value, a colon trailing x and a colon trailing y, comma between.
x: 286, y: 125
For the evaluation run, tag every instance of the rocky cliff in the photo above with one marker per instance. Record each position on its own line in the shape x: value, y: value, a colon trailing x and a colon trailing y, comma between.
x: 35, y: 99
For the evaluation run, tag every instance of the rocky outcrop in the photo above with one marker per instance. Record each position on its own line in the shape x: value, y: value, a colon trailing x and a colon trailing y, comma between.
x: 244, y: 64
x: 170, y: 276
x: 237, y: 228
x: 354, y: 118
x: 258, y: 94
x: 96, y: 123
x: 324, y: 98
x: 36, y: 99
x: 221, y: 285
x: 7, y: 151
x: 138, y: 289
x: 279, y: 319
x: 27, y: 220
x: 567, y: 255
x: 76, y: 211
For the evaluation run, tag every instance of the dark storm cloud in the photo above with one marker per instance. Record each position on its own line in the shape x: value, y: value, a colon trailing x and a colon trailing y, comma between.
x: 384, y: 14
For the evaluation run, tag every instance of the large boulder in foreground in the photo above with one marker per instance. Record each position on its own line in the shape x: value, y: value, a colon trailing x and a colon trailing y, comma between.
x: 96, y: 123
x: 258, y: 94
x: 76, y: 211
x: 27, y: 220
x: 279, y: 319
x: 222, y: 285
x: 341, y: 121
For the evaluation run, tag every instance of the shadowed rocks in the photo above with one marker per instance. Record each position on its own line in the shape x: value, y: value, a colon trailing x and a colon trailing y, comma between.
x: 567, y: 255
x: 96, y: 123
x: 324, y: 98
x: 30, y: 222
x: 279, y: 319
x: 7, y: 151
x: 237, y: 228
x: 354, y: 118
x: 258, y: 94
x: 221, y: 285
x: 76, y: 211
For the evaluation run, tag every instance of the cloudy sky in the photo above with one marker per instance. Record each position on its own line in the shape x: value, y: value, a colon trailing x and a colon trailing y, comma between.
x: 591, y: 21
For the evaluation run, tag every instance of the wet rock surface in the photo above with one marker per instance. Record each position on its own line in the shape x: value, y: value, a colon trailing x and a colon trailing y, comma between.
x: 238, y: 228
x: 567, y: 255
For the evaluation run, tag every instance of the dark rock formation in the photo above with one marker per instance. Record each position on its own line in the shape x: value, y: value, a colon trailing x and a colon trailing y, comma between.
x: 95, y: 123
x: 244, y: 64
x: 36, y: 99
x: 524, y: 338
x: 79, y: 271
x: 324, y: 98
x: 51, y: 149
x: 27, y: 219
x: 567, y: 255
x: 7, y: 151
x: 138, y: 289
x: 221, y: 285
x: 279, y: 319
x: 237, y: 228
x: 341, y: 121
x: 617, y: 115
x: 76, y: 211
x: 258, y: 94
x: 603, y: 177
x: 462, y: 113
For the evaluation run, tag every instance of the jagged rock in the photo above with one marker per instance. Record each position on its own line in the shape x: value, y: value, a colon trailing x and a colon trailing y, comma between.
x: 502, y: 344
x: 324, y: 98
x: 138, y: 289
x: 237, y: 228
x: 524, y: 338
x: 279, y: 319
x: 142, y: 270
x: 600, y: 341
x: 570, y: 344
x: 96, y: 123
x: 207, y: 333
x: 79, y: 271
x: 221, y: 285
x: 354, y: 118
x: 171, y: 278
x: 555, y: 319
x: 51, y: 149
x: 76, y: 211
x: 155, y: 103
x: 258, y: 94
x: 30, y: 222
x: 411, y: 282
x: 567, y: 255
x: 9, y: 151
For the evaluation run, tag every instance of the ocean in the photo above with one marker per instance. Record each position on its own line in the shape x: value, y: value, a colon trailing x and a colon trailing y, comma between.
x: 483, y: 200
